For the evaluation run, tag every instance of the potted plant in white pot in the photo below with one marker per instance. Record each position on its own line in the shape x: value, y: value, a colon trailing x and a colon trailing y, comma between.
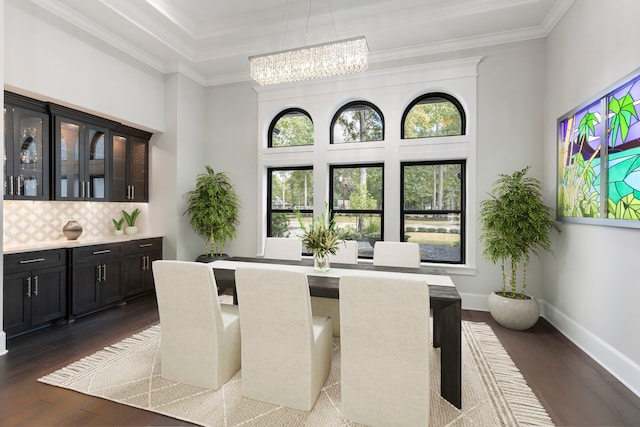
x: 515, y: 224
x: 212, y: 207
x: 321, y: 238
x: 130, y: 219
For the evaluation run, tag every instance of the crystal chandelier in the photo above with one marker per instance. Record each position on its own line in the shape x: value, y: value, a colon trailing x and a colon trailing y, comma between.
x: 311, y: 62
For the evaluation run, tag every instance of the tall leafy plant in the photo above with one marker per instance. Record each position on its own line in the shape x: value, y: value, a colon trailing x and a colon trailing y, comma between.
x: 515, y: 224
x: 213, y: 207
x: 321, y: 236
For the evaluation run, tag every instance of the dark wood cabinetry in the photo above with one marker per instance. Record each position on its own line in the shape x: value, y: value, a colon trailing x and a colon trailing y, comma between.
x: 35, y: 290
x: 55, y: 152
x: 26, y: 144
x: 138, y: 256
x: 96, y: 278
x: 130, y: 165
x: 82, y: 148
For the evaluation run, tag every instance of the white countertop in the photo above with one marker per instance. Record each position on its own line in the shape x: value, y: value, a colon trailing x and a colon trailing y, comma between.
x: 64, y: 243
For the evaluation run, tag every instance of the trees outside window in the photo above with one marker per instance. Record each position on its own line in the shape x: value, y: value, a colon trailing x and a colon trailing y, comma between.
x: 358, y: 121
x: 356, y: 200
x: 289, y: 190
x: 432, y: 211
x: 433, y: 115
x: 291, y: 127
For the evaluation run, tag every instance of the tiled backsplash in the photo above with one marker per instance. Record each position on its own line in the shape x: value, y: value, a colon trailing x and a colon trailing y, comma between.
x: 35, y: 221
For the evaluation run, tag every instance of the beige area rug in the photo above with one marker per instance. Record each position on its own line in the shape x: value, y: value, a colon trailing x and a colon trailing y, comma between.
x: 494, y: 392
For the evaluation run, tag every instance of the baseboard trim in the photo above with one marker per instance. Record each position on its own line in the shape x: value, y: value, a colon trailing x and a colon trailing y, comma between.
x: 620, y: 366
x: 617, y: 364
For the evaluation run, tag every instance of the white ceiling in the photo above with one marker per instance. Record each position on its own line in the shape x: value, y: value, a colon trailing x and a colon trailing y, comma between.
x: 211, y: 40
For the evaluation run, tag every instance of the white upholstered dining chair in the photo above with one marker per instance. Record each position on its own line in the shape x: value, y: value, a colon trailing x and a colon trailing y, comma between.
x: 385, y: 349
x: 286, y: 351
x: 347, y: 252
x: 199, y: 337
x: 330, y: 307
x: 283, y: 248
x: 396, y: 254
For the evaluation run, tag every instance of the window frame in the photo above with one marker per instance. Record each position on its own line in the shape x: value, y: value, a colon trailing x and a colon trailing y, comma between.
x: 462, y: 211
x: 271, y: 211
x: 380, y: 212
x: 452, y: 99
x: 346, y: 107
x: 277, y: 118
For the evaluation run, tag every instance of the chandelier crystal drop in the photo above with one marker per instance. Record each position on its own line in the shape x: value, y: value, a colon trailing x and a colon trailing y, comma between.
x: 311, y: 62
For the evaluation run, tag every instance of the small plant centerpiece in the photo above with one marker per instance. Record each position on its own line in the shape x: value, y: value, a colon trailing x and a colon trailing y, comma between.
x: 515, y: 224
x: 118, y: 223
x: 130, y: 219
x: 321, y: 238
x: 212, y: 207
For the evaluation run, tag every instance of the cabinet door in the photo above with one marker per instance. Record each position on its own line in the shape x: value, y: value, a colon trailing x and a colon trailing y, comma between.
x: 111, y: 282
x: 94, y: 185
x: 119, y: 185
x: 69, y: 176
x: 85, y: 288
x: 147, y: 273
x: 48, y: 295
x: 27, y: 154
x: 133, y: 264
x: 139, y: 169
x: 17, y: 309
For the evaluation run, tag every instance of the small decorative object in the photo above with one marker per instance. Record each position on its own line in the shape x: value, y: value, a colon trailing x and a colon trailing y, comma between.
x: 72, y: 230
x: 118, y: 223
x: 515, y: 223
x: 130, y: 218
x: 321, y: 238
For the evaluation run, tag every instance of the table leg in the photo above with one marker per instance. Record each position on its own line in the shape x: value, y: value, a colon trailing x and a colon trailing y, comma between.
x: 450, y: 318
x: 437, y: 328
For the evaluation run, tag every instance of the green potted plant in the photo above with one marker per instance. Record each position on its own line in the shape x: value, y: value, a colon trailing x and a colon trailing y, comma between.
x: 212, y: 207
x: 130, y: 219
x: 118, y: 223
x: 515, y: 224
x: 321, y: 238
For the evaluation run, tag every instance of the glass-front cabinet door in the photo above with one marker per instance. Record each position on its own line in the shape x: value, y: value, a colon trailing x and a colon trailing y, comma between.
x: 81, y: 160
x: 26, y: 157
x: 130, y: 166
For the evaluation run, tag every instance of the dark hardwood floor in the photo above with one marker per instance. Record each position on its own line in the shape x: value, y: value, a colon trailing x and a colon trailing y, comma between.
x: 573, y: 388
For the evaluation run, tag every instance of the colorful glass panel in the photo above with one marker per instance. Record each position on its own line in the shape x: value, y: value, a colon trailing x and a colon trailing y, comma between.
x: 624, y: 152
x: 579, y: 163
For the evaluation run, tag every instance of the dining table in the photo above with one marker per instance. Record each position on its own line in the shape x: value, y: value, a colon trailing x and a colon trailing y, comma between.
x: 445, y: 303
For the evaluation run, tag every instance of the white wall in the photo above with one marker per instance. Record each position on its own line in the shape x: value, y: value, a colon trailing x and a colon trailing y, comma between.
x: 77, y: 70
x: 591, y: 288
x: 231, y: 126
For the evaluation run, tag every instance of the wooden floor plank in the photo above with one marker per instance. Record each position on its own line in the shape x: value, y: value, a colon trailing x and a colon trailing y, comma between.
x: 575, y: 390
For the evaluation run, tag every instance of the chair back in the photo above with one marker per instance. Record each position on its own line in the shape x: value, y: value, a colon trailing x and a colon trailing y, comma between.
x: 385, y: 350
x: 396, y: 254
x: 283, y: 248
x: 286, y: 352
x: 347, y: 252
x: 191, y: 324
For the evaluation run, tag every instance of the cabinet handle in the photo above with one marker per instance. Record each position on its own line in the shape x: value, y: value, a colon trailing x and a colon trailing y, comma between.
x: 35, y: 286
x: 104, y: 272
x: 148, y: 263
x: 128, y: 192
x: 19, y: 183
x: 145, y: 245
x: 82, y: 189
x: 29, y: 261
x: 88, y: 191
x: 133, y: 192
x: 11, y: 185
x: 98, y: 273
x: 29, y: 287
x: 104, y: 251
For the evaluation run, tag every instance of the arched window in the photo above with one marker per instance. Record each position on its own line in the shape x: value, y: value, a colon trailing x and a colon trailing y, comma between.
x: 357, y: 121
x: 431, y: 115
x: 291, y: 127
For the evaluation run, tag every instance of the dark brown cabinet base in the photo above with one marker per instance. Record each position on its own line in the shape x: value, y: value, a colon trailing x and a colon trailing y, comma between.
x: 35, y: 290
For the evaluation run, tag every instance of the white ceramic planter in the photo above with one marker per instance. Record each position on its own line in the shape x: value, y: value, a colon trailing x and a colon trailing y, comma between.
x: 131, y: 230
x: 513, y: 313
x: 118, y: 232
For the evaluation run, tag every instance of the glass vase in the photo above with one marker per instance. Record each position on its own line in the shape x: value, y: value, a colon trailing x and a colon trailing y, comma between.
x: 321, y: 262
